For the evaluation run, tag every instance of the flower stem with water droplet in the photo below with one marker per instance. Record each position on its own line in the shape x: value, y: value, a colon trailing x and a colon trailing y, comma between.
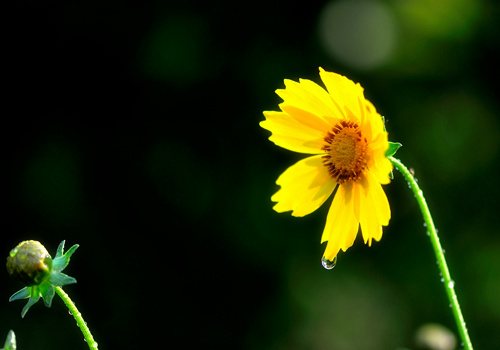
x: 78, y: 317
x: 449, y: 284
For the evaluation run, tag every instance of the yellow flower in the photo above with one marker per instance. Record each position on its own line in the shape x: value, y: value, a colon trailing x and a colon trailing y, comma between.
x: 347, y: 141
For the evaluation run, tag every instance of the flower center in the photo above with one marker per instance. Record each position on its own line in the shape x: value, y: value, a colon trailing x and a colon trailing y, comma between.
x: 346, y: 152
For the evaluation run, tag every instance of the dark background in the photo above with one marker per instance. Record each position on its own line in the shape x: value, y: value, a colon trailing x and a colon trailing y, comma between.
x: 131, y: 128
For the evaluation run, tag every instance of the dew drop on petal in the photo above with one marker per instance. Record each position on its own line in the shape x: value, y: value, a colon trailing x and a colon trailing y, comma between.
x: 328, y: 264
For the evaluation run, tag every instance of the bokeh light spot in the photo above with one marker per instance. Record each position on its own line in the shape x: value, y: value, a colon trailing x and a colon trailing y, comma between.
x: 445, y: 19
x: 174, y: 50
x: 361, y: 34
x: 52, y: 183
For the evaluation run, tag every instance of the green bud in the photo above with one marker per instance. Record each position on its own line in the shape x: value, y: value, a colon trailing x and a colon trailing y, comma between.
x: 29, y: 263
x: 10, y: 342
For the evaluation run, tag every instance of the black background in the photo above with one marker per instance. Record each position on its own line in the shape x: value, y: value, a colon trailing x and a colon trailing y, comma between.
x: 131, y: 128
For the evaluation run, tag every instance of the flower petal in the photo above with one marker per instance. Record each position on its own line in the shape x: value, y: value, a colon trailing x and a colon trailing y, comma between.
x: 378, y: 163
x: 308, y: 96
x: 304, y: 187
x: 382, y: 169
x: 288, y: 133
x: 343, y: 91
x: 341, y: 224
x: 374, y: 208
x: 380, y: 199
x: 370, y: 226
x: 307, y: 118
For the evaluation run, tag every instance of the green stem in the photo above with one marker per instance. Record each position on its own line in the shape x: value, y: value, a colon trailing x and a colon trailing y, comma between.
x: 78, y: 317
x: 449, y: 284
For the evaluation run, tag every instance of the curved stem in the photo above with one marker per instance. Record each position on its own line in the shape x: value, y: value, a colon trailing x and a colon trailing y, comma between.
x: 78, y: 317
x: 449, y: 284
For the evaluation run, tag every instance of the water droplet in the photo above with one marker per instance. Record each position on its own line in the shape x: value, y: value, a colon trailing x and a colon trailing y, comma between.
x: 442, y: 280
x: 425, y: 224
x: 328, y: 264
x: 451, y: 284
x: 13, y: 252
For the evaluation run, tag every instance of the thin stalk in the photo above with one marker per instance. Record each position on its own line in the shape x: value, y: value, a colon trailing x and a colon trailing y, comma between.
x: 449, y: 284
x: 78, y: 317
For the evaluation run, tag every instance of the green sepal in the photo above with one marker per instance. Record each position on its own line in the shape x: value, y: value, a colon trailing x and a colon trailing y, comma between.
x: 383, y: 121
x: 35, y: 296
x: 47, y: 292
x: 60, y: 279
x: 21, y: 294
x: 393, y: 148
x: 61, y: 260
x: 10, y: 341
x: 60, y: 249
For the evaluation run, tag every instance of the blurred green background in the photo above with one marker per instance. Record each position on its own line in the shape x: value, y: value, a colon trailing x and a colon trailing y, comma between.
x: 131, y: 128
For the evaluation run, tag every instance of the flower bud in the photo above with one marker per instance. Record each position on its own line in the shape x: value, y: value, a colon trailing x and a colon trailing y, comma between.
x: 29, y: 263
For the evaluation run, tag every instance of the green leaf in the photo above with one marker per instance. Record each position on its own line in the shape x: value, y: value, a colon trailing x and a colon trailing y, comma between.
x: 393, y: 148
